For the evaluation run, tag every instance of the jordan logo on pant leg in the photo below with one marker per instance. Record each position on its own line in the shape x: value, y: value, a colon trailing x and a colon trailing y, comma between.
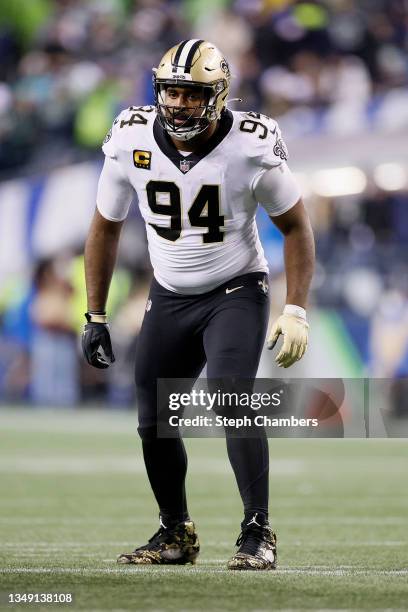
x: 161, y: 523
x: 253, y: 520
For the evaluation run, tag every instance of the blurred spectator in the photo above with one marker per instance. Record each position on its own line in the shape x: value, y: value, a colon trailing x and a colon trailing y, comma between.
x: 15, y: 340
x: 389, y: 336
x: 68, y: 67
x: 54, y: 358
x: 126, y: 325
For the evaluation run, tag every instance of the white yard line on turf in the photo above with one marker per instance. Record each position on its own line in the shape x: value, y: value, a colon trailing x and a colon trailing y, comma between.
x: 329, y: 520
x: 69, y: 421
x: 108, y: 464
x: 329, y: 571
x: 49, y: 546
x: 133, y: 502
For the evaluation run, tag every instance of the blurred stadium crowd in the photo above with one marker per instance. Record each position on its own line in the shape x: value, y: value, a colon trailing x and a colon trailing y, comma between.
x: 69, y: 66
x: 333, y: 72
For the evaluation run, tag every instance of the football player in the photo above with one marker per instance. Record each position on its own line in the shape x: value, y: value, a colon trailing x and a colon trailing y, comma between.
x: 199, y: 171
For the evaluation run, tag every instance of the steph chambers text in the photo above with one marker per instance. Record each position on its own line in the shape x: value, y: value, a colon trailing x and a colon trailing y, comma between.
x: 246, y: 421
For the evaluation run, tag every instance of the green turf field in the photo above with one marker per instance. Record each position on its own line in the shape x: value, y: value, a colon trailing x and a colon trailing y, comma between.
x: 73, y: 495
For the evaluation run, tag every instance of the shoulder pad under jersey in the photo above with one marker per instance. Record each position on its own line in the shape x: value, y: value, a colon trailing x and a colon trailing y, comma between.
x: 122, y: 133
x: 263, y: 139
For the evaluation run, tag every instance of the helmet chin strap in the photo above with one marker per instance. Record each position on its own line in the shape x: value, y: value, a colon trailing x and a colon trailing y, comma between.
x: 183, y: 136
x: 188, y: 134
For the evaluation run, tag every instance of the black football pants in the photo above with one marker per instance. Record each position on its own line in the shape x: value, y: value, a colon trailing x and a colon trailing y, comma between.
x: 225, y: 329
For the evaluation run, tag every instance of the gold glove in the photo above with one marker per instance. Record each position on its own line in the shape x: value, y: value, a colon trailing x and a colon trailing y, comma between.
x: 293, y: 326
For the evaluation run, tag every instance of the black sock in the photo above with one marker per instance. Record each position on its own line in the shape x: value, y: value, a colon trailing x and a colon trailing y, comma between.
x: 254, y: 518
x: 249, y: 458
x: 166, y: 466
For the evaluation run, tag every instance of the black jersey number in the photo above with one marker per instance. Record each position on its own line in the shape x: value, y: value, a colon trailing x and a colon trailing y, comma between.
x: 204, y: 212
x: 251, y: 126
x: 136, y: 118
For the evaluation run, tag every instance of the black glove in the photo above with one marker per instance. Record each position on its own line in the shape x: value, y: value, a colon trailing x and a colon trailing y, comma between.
x: 96, y: 344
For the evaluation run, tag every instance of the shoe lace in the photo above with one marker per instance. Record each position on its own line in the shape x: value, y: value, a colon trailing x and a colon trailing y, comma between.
x: 250, y: 539
x: 157, y: 538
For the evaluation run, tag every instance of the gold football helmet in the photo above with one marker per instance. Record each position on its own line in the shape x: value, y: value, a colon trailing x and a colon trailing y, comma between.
x: 192, y: 63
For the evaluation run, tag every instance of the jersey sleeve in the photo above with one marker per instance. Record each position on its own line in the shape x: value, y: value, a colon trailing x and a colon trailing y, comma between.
x: 276, y: 151
x: 110, y: 143
x: 115, y: 193
x: 276, y: 189
x: 119, y: 136
x: 273, y: 184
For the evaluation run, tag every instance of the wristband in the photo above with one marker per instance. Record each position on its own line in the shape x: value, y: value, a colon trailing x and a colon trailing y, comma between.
x: 297, y: 311
x: 96, y: 317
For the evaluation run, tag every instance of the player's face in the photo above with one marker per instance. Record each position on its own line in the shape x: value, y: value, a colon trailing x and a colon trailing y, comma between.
x: 189, y: 102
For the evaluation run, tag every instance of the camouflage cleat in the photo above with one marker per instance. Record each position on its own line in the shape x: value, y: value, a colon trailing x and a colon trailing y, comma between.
x: 257, y: 547
x: 176, y: 545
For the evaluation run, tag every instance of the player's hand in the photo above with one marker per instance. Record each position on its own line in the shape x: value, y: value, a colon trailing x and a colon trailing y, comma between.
x: 294, y: 330
x: 96, y: 344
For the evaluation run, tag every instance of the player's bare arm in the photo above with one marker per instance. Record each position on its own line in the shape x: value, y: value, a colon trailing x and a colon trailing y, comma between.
x: 100, y: 257
x: 299, y: 253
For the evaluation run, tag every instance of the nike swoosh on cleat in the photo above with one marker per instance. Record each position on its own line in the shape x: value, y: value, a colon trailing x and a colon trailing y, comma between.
x: 234, y: 289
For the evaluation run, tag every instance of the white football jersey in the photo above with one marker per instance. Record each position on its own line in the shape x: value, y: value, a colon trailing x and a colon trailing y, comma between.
x: 199, y: 208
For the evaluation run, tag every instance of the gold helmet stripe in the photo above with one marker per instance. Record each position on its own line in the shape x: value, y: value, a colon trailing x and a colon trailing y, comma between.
x: 178, y: 53
x: 184, y: 55
x: 191, y: 53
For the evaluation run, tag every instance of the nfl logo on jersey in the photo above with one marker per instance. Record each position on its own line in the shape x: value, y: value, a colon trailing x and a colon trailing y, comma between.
x: 184, y: 165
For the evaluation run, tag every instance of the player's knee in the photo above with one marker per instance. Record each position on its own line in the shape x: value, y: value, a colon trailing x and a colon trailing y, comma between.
x: 143, y: 377
x: 147, y: 432
x: 146, y: 402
